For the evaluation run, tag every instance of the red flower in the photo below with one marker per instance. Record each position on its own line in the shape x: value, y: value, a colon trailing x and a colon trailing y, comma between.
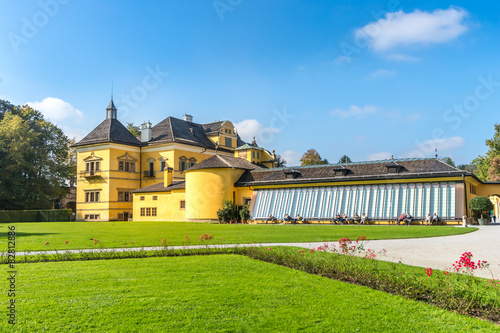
x: 47, y: 243
x: 429, y: 271
x: 66, y: 242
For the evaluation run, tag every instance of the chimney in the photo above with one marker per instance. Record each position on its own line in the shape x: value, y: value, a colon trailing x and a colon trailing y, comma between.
x: 188, y: 117
x: 146, y: 132
x: 168, y: 176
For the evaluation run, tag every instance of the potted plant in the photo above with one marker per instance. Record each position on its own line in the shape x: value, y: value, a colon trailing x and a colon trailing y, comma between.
x: 481, y: 206
x: 244, y: 215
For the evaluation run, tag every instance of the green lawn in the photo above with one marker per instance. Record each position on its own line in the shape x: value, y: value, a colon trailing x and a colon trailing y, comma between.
x: 33, y: 236
x: 210, y: 293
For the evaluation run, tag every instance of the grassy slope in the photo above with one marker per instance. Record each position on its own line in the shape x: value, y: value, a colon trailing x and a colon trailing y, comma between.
x: 210, y: 293
x: 32, y: 236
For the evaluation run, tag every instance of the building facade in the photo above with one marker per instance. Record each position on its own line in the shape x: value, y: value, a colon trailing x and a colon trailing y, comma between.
x: 112, y: 164
x: 179, y: 170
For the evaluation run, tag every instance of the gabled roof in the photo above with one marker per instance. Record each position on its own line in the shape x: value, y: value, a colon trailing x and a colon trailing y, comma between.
x: 110, y: 130
x: 221, y: 161
x: 370, y: 170
x: 161, y: 188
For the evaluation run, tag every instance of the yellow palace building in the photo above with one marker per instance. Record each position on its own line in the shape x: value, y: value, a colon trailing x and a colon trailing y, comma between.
x: 179, y: 170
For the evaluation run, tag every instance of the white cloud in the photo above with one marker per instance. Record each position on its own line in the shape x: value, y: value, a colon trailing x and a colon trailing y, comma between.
x: 379, y: 156
x: 291, y: 157
x: 55, y: 109
x: 341, y: 60
x: 381, y: 73
x: 401, y: 57
x: 250, y: 128
x: 354, y: 111
x: 427, y: 149
x: 418, y: 27
x: 398, y: 117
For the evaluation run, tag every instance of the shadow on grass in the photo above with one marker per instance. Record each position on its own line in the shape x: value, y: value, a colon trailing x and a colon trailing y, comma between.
x: 4, y: 235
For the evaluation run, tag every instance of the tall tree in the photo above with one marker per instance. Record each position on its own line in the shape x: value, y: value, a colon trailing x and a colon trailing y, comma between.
x: 345, y: 159
x: 483, y: 163
x: 494, y: 171
x: 467, y: 167
x: 280, y: 161
x: 448, y: 161
x: 135, y: 130
x: 312, y: 157
x: 35, y: 166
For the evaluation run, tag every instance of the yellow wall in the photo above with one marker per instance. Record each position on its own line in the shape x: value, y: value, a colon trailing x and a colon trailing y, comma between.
x: 206, y: 191
x: 108, y: 183
x: 167, y: 205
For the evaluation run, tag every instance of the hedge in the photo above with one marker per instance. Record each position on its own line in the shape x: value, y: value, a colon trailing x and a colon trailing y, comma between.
x: 47, y: 215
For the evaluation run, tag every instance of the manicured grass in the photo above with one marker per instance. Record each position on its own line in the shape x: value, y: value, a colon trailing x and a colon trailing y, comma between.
x: 210, y: 293
x: 33, y: 236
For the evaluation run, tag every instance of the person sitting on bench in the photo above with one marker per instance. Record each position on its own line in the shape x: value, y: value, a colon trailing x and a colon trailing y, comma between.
x: 287, y: 219
x: 356, y: 218
x: 428, y: 219
x: 344, y: 219
x: 300, y: 218
x: 408, y: 219
x: 271, y: 219
x: 401, y: 218
x: 435, y: 218
x: 337, y: 218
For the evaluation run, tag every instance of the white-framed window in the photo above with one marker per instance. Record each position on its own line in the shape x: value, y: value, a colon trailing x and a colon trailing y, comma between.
x: 125, y: 195
x: 92, y: 196
x: 126, y: 166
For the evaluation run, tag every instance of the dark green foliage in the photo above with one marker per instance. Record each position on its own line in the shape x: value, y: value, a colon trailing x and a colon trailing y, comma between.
x: 345, y: 159
x: 481, y: 203
x: 229, y: 213
x: 49, y: 215
x: 448, y: 161
x: 280, y: 162
x: 35, y: 162
x: 244, y: 214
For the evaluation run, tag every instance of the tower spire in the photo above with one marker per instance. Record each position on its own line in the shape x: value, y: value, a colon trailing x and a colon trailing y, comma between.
x: 111, y: 111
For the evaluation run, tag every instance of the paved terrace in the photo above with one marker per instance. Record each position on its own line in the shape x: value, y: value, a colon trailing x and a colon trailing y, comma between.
x: 434, y: 252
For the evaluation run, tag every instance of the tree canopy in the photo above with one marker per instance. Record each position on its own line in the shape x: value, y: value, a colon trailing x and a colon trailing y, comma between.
x: 312, y: 157
x: 483, y: 163
x: 35, y: 161
x: 448, y: 161
x: 345, y: 159
x: 280, y: 161
x: 135, y: 130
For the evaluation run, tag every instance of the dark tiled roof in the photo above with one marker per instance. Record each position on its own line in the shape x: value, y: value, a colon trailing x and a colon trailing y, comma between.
x: 178, y: 130
x: 110, y: 130
x: 371, y: 170
x: 160, y: 188
x: 221, y: 161
x: 212, y: 128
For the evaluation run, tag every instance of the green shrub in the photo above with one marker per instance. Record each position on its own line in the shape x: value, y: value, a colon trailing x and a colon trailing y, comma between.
x: 229, y: 213
x: 47, y: 215
x: 245, y: 214
x: 480, y: 206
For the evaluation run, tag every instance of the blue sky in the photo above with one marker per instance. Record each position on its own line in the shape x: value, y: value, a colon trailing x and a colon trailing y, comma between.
x: 367, y: 79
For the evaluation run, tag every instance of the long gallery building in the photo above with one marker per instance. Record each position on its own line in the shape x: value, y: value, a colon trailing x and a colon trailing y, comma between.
x: 179, y: 170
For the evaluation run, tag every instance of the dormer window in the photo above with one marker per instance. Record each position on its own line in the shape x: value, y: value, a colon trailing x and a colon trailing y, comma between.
x: 341, y: 171
x: 393, y: 167
x: 292, y: 173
